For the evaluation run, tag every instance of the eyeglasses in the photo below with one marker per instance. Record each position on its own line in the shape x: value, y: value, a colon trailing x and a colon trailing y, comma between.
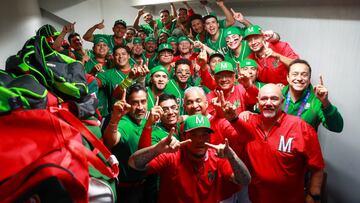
x: 167, y: 109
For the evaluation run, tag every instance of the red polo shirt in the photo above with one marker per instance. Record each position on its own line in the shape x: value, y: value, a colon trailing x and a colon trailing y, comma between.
x: 183, y: 180
x: 278, y: 161
x: 242, y: 98
x: 271, y: 69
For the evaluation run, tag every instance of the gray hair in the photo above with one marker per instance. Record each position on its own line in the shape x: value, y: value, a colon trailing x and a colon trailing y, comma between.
x: 196, y: 89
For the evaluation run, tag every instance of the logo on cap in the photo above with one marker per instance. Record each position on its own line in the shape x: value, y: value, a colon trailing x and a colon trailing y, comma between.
x: 223, y: 66
x: 199, y: 120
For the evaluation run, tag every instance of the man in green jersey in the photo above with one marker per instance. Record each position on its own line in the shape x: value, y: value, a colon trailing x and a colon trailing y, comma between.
x: 178, y: 85
x: 159, y: 78
x: 310, y: 103
x: 137, y: 52
x: 76, y: 45
x: 110, y: 80
x: 150, y: 48
x: 196, y: 22
x: 122, y: 137
x: 98, y: 63
x: 238, y: 48
x: 166, y: 56
x: 215, y: 38
x: 117, y: 38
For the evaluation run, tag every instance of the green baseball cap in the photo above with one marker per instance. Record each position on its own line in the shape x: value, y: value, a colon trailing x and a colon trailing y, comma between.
x: 47, y: 30
x: 99, y: 39
x: 253, y: 30
x: 248, y: 63
x: 165, y: 46
x: 172, y: 39
x: 197, y: 121
x: 233, y: 31
x: 183, y: 38
x: 121, y: 22
x: 223, y: 66
x: 157, y: 69
x: 137, y: 40
x: 150, y: 39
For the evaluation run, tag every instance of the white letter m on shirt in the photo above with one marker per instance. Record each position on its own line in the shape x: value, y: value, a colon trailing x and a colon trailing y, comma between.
x: 285, y: 147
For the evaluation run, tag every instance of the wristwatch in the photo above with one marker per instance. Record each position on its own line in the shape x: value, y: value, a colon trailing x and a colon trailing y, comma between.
x: 316, y: 197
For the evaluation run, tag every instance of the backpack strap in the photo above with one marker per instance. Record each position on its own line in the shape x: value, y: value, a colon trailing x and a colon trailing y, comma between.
x: 113, y: 170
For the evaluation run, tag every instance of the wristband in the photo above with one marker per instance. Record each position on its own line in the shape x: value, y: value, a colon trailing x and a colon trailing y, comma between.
x: 234, y: 119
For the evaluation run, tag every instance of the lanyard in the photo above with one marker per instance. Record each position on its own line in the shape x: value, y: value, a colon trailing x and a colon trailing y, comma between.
x: 302, y: 107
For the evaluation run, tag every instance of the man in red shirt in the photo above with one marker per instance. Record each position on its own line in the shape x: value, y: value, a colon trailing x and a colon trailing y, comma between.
x: 279, y: 149
x: 195, y: 172
x: 243, y: 96
x: 273, y: 58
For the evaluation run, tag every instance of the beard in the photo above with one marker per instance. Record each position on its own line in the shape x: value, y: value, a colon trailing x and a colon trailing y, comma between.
x: 269, y: 114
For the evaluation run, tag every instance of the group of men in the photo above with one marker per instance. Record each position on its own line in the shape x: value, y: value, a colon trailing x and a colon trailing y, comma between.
x: 213, y: 107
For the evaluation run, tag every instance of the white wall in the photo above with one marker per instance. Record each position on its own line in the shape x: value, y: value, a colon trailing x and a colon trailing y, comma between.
x: 17, y: 25
x: 87, y: 13
x: 327, y: 36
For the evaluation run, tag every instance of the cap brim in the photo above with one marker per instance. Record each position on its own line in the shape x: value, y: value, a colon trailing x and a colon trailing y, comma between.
x: 209, y: 129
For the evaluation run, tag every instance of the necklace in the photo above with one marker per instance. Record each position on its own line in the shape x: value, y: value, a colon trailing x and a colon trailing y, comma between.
x: 302, y: 107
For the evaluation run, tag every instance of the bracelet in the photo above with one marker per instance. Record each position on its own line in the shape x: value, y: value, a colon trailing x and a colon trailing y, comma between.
x: 234, y: 119
x: 126, y: 83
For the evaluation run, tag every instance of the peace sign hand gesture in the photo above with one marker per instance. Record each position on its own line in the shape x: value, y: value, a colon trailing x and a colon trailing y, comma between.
x: 170, y: 144
x: 228, y: 109
x: 322, y: 93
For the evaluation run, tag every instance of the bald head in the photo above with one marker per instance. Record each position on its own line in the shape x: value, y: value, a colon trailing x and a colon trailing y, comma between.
x: 271, y: 88
x: 270, y: 101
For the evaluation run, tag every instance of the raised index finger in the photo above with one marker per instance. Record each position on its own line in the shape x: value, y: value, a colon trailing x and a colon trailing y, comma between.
x: 321, y: 80
x: 157, y: 101
x: 232, y: 10
x: 123, y: 98
x: 171, y: 133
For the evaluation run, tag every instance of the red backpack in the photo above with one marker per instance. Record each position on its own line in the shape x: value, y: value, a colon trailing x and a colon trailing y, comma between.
x: 42, y: 157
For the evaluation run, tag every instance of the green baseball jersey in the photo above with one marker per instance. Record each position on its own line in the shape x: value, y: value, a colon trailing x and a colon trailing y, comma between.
x: 128, y: 144
x: 173, y: 88
x: 110, y: 39
x: 313, y: 112
x: 159, y: 23
x: 258, y: 85
x: 91, y: 63
x: 132, y: 60
x: 222, y: 24
x: 235, y: 61
x: 198, y: 83
x: 220, y: 44
x: 150, y: 30
x: 109, y: 80
x: 159, y: 132
x: 151, y: 100
x: 153, y: 61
